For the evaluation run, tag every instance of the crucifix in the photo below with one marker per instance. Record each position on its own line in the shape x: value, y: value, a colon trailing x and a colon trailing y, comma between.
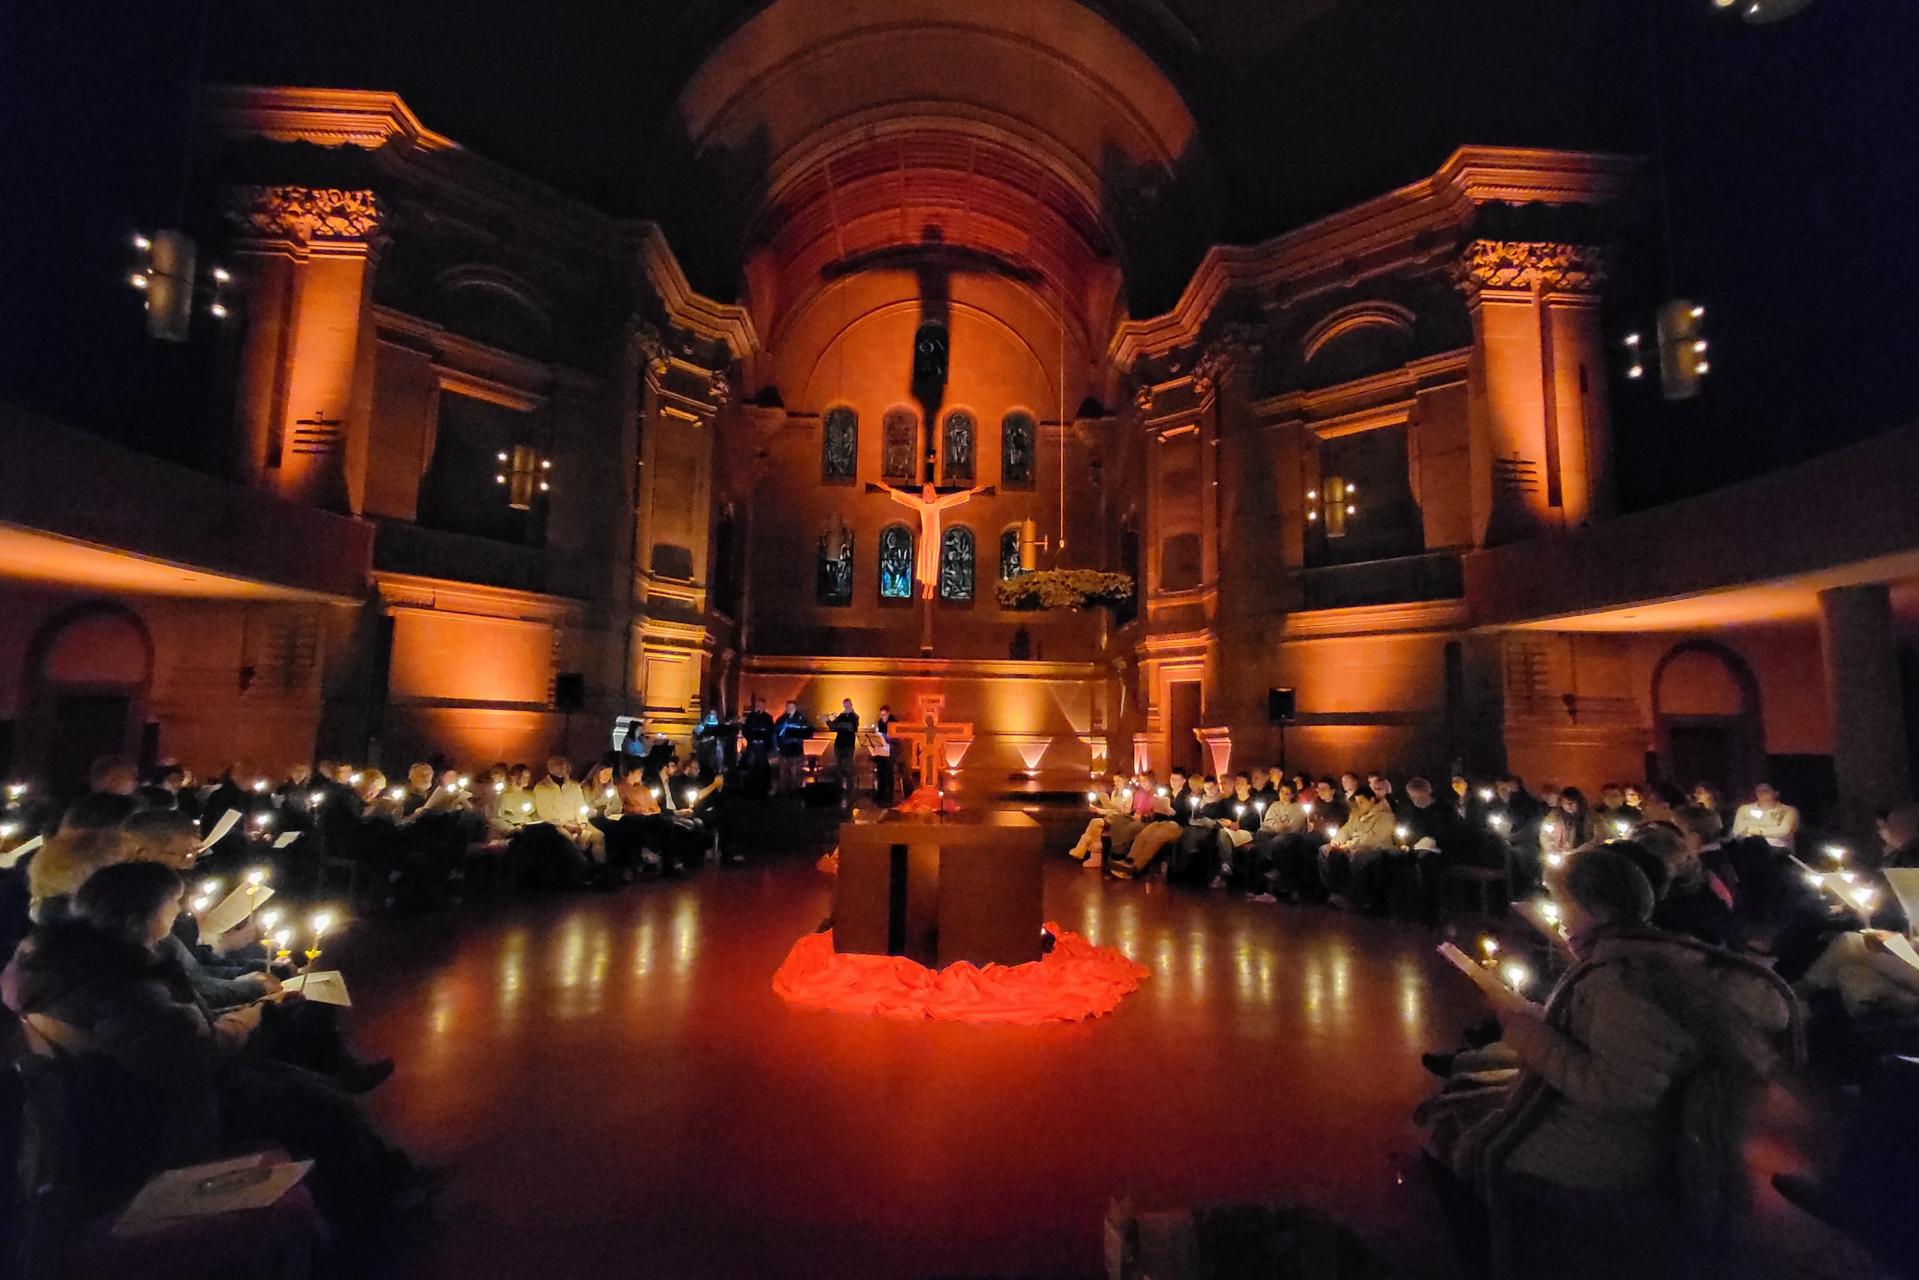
x: 931, y: 505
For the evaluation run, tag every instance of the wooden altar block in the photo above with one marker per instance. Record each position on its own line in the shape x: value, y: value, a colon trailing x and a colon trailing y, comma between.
x: 936, y: 890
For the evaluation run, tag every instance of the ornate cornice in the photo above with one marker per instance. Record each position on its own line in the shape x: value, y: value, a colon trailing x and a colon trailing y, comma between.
x: 1550, y: 265
x: 1389, y: 230
x: 302, y: 214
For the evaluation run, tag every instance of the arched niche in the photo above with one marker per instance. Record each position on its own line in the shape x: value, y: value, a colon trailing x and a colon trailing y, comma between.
x: 89, y: 675
x: 1707, y: 724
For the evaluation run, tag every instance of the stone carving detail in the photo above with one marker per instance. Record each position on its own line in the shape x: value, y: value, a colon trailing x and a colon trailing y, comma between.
x: 718, y: 389
x: 1143, y: 398
x: 652, y: 346
x: 1522, y: 264
x: 304, y: 214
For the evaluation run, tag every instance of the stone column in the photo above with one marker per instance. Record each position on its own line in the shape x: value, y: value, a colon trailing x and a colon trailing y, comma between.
x: 1541, y: 439
x: 305, y: 259
x: 1868, y: 723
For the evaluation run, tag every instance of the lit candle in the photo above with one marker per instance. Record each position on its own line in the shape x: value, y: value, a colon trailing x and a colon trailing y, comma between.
x: 608, y: 793
x: 259, y: 784
x: 398, y: 793
x: 7, y: 829
x: 1486, y: 794
x: 1332, y: 832
x: 499, y: 786
x: 1848, y: 876
x: 1401, y: 832
x: 315, y: 799
x: 693, y: 793
x: 1816, y: 880
x: 1517, y: 975
x: 15, y: 790
x: 586, y: 811
x: 1837, y: 852
x: 1092, y: 797
x: 1259, y: 808
x: 1192, y: 802
x: 1307, y: 805
x: 321, y: 923
x: 1126, y: 793
x: 526, y: 806
x: 268, y: 919
x: 209, y: 887
x: 1498, y: 821
x: 1239, y: 811
x: 1161, y: 791
x: 282, y: 944
x: 1622, y: 826
x: 354, y: 779
x: 465, y: 782
x: 1756, y: 812
x: 1555, y: 859
x: 1550, y: 827
x: 654, y: 792
x: 1489, y: 945
x: 1549, y: 912
x: 199, y: 905
x: 262, y: 819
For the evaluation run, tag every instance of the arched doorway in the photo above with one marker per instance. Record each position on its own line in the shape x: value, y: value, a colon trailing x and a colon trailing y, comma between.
x: 1706, y: 718
x: 89, y: 672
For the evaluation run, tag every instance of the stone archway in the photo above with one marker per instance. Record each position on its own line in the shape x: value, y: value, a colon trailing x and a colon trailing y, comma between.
x: 1706, y: 718
x: 88, y: 678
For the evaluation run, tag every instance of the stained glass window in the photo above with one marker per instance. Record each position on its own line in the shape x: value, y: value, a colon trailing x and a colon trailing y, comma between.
x: 839, y: 444
x: 956, y: 448
x: 1009, y: 554
x: 899, y: 445
x: 896, y: 562
x: 1017, y: 433
x: 834, y: 583
x: 956, y: 563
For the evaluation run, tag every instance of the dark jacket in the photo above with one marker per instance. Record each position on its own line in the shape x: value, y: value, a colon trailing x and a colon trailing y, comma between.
x: 127, y: 1010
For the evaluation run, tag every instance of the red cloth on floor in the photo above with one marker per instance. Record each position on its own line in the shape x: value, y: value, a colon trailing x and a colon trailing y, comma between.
x: 1075, y: 980
x: 829, y: 864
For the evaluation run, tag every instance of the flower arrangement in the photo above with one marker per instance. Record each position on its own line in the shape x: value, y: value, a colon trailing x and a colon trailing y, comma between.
x: 1063, y: 589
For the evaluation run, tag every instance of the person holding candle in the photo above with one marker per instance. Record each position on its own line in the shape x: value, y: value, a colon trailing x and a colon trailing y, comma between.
x: 1280, y: 860
x: 1767, y: 817
x: 1616, y: 1147
x: 171, y: 1079
x: 560, y: 805
x: 1110, y: 804
x: 1350, y: 863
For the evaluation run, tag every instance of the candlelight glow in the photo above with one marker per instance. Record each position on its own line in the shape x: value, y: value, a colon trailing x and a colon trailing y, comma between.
x: 209, y: 887
x: 1486, y: 794
x: 316, y: 798
x: 256, y: 877
x: 1489, y: 945
x: 1517, y: 975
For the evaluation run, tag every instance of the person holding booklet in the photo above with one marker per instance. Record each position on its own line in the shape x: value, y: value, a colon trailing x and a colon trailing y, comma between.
x: 1614, y: 1147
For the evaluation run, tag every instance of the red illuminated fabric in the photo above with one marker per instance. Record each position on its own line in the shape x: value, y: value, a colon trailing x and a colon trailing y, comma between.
x: 829, y: 863
x: 925, y: 800
x: 1075, y: 980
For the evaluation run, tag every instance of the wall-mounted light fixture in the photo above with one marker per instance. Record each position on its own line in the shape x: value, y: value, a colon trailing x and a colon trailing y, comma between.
x: 524, y: 475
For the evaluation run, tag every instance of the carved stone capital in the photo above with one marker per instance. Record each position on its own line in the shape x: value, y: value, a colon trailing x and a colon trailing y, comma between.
x: 719, y: 389
x: 1143, y: 398
x: 1523, y: 264
x: 302, y: 214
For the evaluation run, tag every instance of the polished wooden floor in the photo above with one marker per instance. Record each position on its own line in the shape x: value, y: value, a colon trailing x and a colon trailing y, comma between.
x: 621, y: 1094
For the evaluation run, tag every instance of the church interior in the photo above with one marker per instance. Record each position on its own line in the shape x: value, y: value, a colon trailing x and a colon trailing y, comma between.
x: 600, y: 507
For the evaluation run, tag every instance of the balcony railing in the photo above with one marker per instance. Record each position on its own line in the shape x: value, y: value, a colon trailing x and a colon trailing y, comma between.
x: 1434, y: 575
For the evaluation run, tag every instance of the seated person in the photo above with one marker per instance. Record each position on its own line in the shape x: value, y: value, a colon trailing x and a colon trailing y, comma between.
x: 561, y: 805
x: 1208, y: 845
x: 1697, y: 903
x: 1350, y: 864
x: 222, y: 977
x: 1108, y: 804
x: 1768, y: 817
x: 1615, y: 1146
x: 1567, y: 828
x: 1281, y: 858
x: 161, y: 1084
x: 512, y: 808
x: 1138, y: 840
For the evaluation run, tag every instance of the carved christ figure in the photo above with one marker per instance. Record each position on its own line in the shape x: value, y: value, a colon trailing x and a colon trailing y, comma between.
x: 931, y: 505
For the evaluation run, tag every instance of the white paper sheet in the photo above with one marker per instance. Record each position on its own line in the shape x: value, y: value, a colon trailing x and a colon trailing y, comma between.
x: 227, y: 822
x: 20, y: 851
x: 326, y: 987
x: 1905, y: 887
x: 234, y: 908
x: 248, y: 1182
x: 286, y: 838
